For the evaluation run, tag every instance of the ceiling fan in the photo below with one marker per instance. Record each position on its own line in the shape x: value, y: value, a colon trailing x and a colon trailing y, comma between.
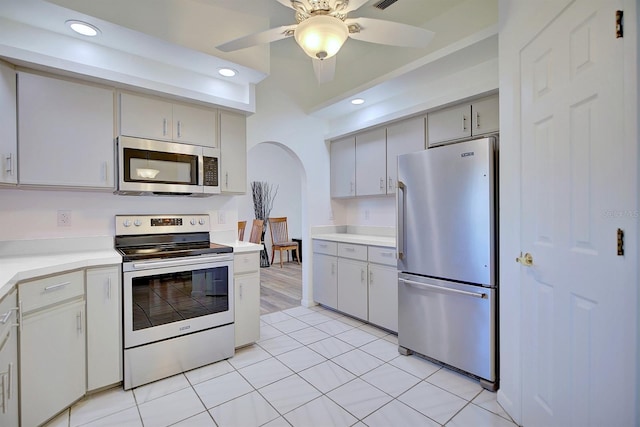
x: 323, y: 27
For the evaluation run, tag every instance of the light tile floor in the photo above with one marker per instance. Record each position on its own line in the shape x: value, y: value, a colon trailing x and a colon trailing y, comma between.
x: 311, y: 367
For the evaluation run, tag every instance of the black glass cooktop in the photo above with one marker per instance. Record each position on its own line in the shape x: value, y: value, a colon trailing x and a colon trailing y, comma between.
x: 136, y: 248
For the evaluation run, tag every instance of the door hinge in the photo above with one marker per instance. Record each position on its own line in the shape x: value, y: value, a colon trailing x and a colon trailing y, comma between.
x: 620, y: 242
x: 619, y: 24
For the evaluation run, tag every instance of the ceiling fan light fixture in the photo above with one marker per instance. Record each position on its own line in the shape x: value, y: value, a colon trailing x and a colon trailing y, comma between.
x: 321, y: 36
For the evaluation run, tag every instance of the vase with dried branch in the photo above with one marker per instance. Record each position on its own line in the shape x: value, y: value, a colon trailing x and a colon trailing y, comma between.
x: 263, y: 197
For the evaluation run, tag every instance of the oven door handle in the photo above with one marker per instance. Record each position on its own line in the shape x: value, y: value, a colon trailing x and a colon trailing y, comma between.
x: 177, y: 262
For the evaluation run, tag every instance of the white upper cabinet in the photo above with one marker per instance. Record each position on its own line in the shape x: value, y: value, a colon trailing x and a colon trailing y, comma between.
x: 371, y: 164
x: 485, y: 117
x: 449, y: 124
x: 8, y: 138
x: 463, y: 121
x: 404, y: 137
x: 233, y: 152
x: 66, y: 132
x: 343, y: 167
x: 154, y: 118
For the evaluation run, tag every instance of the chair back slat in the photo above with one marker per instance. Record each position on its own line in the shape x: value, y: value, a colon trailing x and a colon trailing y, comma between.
x: 256, y: 231
x: 241, y: 227
x: 279, y: 231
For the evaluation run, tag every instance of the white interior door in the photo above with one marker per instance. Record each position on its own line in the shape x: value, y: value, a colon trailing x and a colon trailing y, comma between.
x: 578, y: 187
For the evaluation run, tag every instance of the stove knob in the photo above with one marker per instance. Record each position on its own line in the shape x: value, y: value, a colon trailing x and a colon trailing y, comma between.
x: 137, y: 223
x: 126, y: 223
x: 193, y: 222
x: 201, y: 221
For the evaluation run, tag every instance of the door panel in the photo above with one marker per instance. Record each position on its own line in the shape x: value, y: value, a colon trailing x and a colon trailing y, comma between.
x: 578, y: 344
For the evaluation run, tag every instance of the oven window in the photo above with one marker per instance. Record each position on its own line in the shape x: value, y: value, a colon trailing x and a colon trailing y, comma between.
x: 167, y: 298
x: 160, y: 167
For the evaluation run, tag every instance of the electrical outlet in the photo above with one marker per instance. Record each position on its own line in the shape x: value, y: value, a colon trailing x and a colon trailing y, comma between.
x: 64, y: 218
x: 221, y: 217
x: 366, y: 214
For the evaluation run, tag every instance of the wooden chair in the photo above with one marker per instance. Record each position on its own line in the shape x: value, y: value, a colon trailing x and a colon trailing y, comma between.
x: 256, y: 231
x: 280, y: 239
x: 241, y: 226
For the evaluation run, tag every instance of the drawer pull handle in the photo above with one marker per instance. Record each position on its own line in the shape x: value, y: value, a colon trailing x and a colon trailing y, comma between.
x: 5, y: 317
x: 350, y: 249
x: 58, y: 286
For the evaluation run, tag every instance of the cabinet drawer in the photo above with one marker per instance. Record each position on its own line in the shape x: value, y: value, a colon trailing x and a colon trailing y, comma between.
x: 40, y: 293
x: 325, y: 247
x: 347, y: 250
x: 381, y: 255
x: 244, y: 263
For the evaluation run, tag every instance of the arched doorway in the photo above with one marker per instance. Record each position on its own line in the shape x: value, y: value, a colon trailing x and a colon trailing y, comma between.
x: 278, y: 165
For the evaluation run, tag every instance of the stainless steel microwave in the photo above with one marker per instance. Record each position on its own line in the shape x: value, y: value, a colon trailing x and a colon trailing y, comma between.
x: 149, y: 167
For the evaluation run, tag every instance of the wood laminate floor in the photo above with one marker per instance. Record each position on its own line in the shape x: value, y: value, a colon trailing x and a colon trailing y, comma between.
x: 280, y: 288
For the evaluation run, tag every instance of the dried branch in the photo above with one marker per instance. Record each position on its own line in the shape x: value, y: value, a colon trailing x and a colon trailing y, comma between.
x: 263, y: 197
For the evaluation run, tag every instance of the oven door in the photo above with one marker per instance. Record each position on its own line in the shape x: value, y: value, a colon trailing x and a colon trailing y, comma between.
x: 168, y: 298
x: 149, y: 166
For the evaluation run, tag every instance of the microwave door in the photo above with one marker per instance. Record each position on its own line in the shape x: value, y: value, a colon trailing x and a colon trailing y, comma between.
x: 158, y: 167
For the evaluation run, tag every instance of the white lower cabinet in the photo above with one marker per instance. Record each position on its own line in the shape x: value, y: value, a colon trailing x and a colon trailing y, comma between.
x: 52, y: 346
x: 246, y: 286
x: 325, y: 273
x: 352, y: 287
x: 104, y: 327
x: 383, y: 296
x: 8, y: 361
x: 358, y: 280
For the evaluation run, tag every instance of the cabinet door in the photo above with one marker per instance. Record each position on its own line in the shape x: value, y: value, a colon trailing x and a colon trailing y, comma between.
x: 485, y: 117
x: 194, y: 125
x: 371, y: 162
x: 247, y: 308
x: 8, y: 362
x: 52, y: 357
x: 383, y: 296
x: 66, y: 133
x: 8, y: 138
x: 325, y: 280
x: 352, y: 288
x: 449, y: 124
x: 104, y: 327
x: 233, y: 152
x: 343, y: 167
x: 402, y: 138
x: 145, y: 117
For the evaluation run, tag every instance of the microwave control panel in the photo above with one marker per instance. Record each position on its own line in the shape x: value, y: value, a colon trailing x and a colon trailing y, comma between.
x: 210, y: 166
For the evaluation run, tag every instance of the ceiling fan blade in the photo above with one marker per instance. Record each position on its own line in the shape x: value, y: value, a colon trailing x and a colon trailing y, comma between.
x: 263, y: 37
x: 352, y: 5
x: 389, y: 33
x: 324, y: 69
x: 286, y: 3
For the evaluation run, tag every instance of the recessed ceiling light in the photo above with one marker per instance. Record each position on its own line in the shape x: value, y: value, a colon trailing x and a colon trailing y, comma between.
x: 83, y: 28
x: 227, y: 72
x: 357, y: 101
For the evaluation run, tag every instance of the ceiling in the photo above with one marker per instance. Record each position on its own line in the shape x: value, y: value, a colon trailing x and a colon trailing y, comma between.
x: 187, y: 31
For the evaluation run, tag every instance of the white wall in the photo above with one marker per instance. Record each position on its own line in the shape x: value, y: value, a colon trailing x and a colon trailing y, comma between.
x: 32, y: 214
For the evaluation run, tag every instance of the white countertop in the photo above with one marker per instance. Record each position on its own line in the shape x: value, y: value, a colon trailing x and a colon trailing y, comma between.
x: 360, y: 239
x: 24, y: 267
x: 31, y: 264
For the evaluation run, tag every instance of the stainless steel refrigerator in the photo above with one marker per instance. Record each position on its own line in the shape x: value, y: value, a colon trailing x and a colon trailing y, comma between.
x: 447, y: 287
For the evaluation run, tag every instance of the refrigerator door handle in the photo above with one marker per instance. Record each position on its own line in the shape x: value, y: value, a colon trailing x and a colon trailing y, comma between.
x: 440, y: 288
x: 400, y: 217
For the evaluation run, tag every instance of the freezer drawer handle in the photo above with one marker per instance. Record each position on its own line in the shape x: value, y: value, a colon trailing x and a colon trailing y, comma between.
x: 440, y: 288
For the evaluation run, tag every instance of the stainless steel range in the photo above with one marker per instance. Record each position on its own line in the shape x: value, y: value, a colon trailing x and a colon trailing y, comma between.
x: 177, y: 296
